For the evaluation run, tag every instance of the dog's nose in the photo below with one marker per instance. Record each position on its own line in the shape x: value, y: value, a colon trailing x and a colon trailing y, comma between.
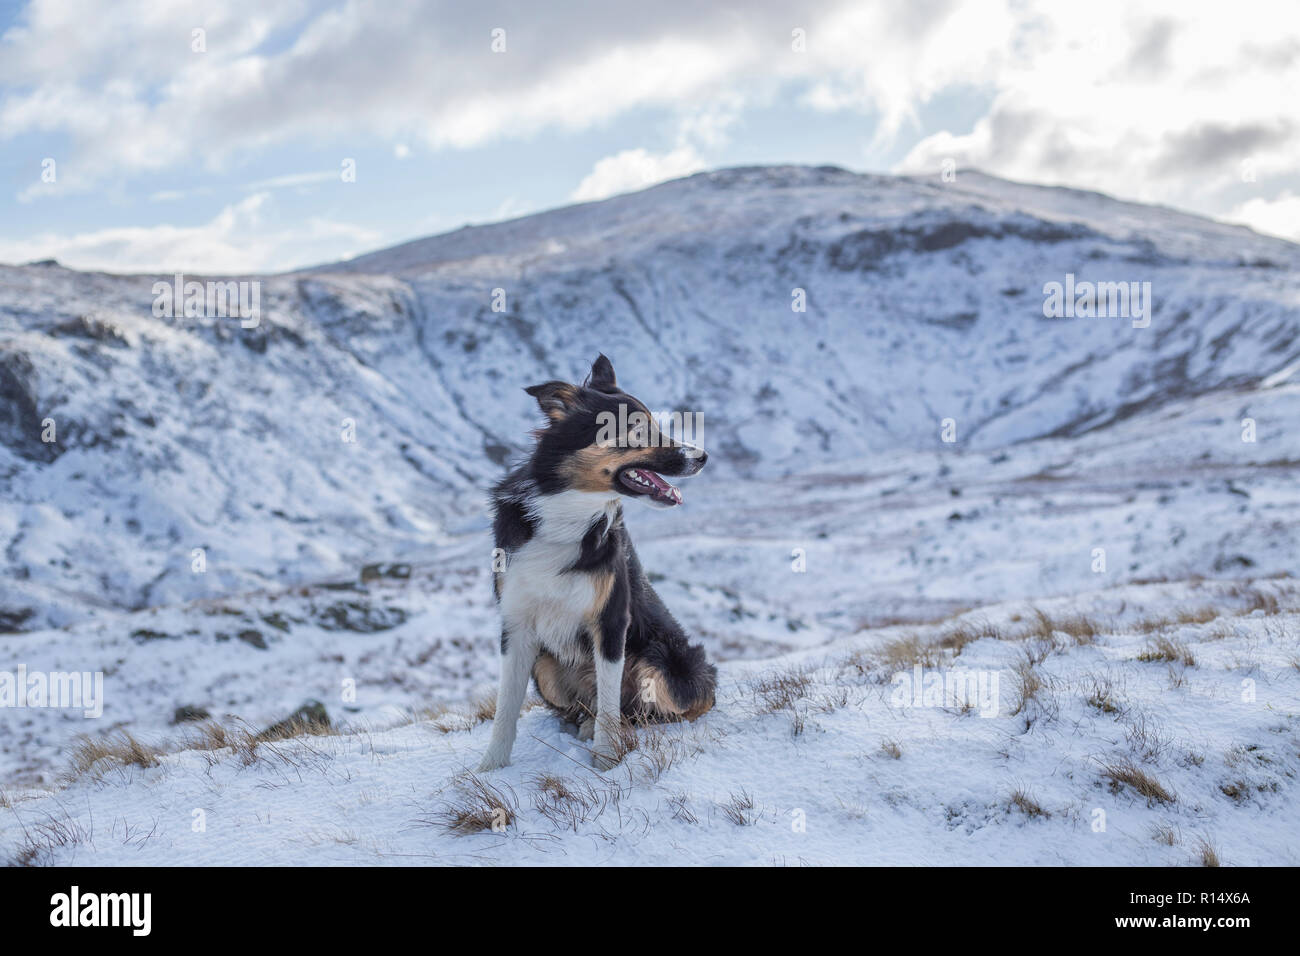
x: 702, y: 457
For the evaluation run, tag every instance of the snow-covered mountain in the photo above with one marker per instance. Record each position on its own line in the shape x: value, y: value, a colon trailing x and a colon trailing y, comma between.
x: 924, y: 302
x: 1111, y: 534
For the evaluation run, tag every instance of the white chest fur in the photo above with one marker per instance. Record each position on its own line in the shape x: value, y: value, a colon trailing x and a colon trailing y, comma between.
x: 538, y: 595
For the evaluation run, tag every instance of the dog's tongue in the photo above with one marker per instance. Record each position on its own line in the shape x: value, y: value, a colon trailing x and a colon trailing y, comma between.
x: 663, y: 490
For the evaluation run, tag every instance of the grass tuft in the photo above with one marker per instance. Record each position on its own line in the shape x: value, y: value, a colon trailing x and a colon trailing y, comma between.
x: 478, y: 806
x: 1026, y: 804
x: 1162, y: 647
x: 1123, y: 772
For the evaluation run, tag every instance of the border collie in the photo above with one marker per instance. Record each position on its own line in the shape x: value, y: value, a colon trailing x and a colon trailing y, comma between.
x: 578, y: 613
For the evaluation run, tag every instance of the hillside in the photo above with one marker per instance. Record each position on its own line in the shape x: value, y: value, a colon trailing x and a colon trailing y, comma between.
x: 924, y: 303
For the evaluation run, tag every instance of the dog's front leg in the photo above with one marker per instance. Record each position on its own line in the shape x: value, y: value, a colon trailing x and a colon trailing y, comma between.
x: 518, y: 653
x: 609, y: 646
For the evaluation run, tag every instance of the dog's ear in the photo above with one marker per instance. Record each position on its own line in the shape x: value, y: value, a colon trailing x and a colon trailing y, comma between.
x: 602, y: 375
x: 554, y: 398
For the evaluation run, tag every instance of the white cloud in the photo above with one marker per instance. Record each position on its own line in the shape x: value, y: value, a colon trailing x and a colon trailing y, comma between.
x: 424, y: 70
x: 1276, y: 217
x: 297, y: 179
x: 635, y: 169
x: 1160, y: 101
x: 236, y: 240
x: 1157, y: 100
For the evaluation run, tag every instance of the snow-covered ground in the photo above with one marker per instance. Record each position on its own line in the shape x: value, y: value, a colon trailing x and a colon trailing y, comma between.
x: 1137, y: 486
x: 1087, y: 747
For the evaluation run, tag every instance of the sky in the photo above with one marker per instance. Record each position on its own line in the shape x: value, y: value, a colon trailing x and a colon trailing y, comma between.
x: 265, y: 135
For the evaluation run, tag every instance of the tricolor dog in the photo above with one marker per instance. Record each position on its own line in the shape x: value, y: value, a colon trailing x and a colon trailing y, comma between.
x: 578, y: 614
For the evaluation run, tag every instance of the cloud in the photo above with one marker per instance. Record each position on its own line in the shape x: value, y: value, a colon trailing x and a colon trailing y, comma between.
x: 635, y: 169
x: 236, y: 240
x: 425, y: 71
x: 1276, y: 217
x: 1159, y: 102
x: 297, y: 179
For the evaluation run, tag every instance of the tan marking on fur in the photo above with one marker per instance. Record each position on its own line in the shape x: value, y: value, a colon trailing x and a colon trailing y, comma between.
x: 594, y: 467
x: 566, y: 687
x: 550, y: 681
x: 565, y: 396
x: 646, y: 678
x: 699, y: 710
x: 602, y: 585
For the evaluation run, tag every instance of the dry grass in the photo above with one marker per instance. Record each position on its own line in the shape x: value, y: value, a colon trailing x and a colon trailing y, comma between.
x: 1199, y: 616
x: 781, y: 690
x: 1221, y: 631
x: 1036, y: 650
x: 43, y: 837
x: 1150, y: 625
x: 1101, y: 692
x: 1145, y: 738
x: 955, y: 637
x: 1031, y: 700
x: 740, y: 809
x: 905, y: 653
x: 681, y: 804
x: 568, y: 803
x: 241, y: 741
x: 120, y: 749
x: 1206, y: 853
x: 1021, y: 800
x: 1079, y: 628
x: 1254, y: 599
x: 478, y: 806
x: 1123, y: 772
x: 447, y: 721
x: 1165, y: 648
x: 484, y: 709
x: 1238, y: 790
x: 654, y: 748
x: 891, y: 749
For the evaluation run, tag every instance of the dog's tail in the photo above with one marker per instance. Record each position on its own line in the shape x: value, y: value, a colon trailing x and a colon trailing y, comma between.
x: 674, y: 679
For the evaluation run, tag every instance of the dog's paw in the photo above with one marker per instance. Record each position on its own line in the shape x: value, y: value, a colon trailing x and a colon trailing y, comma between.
x: 603, y: 761
x: 603, y: 757
x: 492, y: 762
x: 587, y: 729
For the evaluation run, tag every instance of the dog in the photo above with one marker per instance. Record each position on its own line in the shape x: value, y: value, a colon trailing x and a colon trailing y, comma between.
x: 578, y: 613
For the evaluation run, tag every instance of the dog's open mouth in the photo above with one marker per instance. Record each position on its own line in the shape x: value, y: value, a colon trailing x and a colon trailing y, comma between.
x: 643, y: 481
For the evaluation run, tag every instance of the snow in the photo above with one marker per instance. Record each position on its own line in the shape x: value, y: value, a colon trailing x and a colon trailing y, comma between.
x: 357, y: 573
x: 823, y: 788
